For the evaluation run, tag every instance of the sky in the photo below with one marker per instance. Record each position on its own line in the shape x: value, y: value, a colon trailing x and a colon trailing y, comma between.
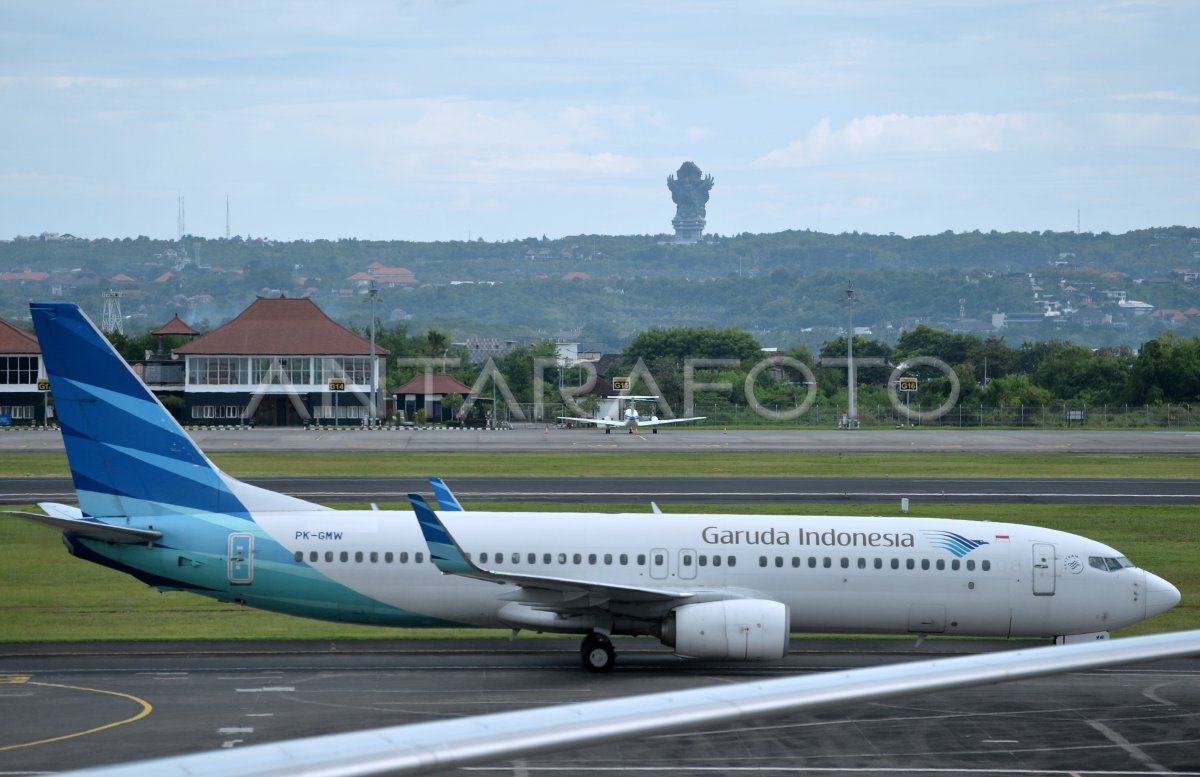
x: 470, y: 119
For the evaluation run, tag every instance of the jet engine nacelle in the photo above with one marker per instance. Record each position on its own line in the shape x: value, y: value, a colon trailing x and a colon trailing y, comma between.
x: 742, y: 629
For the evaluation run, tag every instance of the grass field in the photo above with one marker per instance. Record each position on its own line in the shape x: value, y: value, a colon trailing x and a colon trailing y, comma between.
x: 49, y: 596
x: 666, y: 464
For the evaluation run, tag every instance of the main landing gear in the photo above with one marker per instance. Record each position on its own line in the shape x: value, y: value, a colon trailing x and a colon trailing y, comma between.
x: 597, y: 653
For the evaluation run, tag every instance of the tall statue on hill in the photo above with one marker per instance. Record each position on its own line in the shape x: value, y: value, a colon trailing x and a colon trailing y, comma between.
x: 689, y: 189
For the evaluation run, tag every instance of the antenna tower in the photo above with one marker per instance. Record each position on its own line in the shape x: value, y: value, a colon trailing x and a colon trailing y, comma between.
x: 181, y: 221
x: 962, y: 308
x: 112, y: 320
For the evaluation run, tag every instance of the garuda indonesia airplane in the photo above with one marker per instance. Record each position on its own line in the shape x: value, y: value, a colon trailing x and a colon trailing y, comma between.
x: 711, y: 586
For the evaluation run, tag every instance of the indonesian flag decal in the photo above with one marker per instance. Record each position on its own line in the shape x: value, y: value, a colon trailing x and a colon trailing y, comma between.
x: 1001, y: 538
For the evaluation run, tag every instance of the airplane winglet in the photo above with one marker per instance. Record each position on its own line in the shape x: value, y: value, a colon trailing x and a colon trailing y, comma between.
x: 447, y: 556
x: 447, y: 501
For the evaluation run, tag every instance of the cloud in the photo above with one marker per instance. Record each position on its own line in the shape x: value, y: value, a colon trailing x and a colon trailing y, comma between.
x: 1156, y: 95
x: 896, y: 134
x: 1148, y: 130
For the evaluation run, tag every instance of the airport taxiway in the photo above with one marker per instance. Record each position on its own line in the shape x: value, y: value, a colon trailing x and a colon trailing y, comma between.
x: 68, y: 706
x: 679, y: 490
x: 546, y: 437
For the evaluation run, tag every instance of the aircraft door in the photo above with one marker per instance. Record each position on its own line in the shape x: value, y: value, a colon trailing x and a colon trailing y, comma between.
x: 241, y: 558
x: 659, y: 564
x: 1043, y: 569
x: 687, y: 564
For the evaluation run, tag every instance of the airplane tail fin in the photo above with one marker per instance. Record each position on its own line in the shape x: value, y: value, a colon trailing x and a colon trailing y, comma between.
x: 128, y: 456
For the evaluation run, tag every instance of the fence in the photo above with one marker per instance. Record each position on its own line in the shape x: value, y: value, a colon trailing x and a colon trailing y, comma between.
x: 960, y: 416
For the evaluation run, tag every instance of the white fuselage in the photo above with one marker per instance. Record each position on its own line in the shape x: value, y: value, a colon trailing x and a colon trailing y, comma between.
x: 836, y: 574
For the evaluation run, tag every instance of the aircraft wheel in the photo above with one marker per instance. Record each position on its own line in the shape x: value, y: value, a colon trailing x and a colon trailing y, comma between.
x: 597, y: 653
x: 607, y: 430
x: 654, y: 430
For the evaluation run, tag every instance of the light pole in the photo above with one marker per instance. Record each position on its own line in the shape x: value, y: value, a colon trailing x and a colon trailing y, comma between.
x: 851, y: 380
x: 373, y: 416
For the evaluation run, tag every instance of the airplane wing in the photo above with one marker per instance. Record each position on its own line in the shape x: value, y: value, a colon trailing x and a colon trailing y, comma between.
x: 661, y: 421
x: 70, y: 519
x: 450, y: 559
x: 596, y: 421
x: 442, y: 745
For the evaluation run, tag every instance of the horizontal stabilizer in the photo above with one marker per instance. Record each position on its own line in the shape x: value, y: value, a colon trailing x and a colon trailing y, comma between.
x: 92, y: 529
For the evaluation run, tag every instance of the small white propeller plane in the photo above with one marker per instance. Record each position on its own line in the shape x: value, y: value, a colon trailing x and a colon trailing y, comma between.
x: 630, y: 418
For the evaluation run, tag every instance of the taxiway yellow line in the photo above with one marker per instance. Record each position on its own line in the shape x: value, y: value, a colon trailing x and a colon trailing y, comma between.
x: 147, y: 708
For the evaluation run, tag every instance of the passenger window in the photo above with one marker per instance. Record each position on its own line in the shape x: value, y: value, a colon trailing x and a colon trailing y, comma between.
x: 795, y: 562
x: 658, y: 560
x: 358, y: 556
x: 546, y: 557
x: 577, y: 558
x: 716, y: 561
x: 762, y: 561
x: 733, y: 561
x: 607, y: 558
x: 924, y: 563
x: 862, y: 563
x: 985, y: 566
x: 970, y: 565
x: 329, y: 555
x: 845, y: 563
x: 812, y: 562
x: 562, y: 558
x: 779, y: 562
x: 404, y: 557
x: 483, y: 557
x: 313, y: 556
x: 687, y: 560
x: 418, y: 557
x: 941, y: 563
x: 895, y: 563
x: 641, y: 559
x: 299, y: 555
x: 516, y: 558
x: 592, y: 558
x: 374, y: 557
x: 879, y: 563
x: 909, y: 564
x: 624, y: 559
x: 954, y: 565
x: 531, y: 558
x: 345, y: 556
x: 827, y: 562
x: 701, y: 560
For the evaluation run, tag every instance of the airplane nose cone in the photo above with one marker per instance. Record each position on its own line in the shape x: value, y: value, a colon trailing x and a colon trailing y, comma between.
x: 1160, y: 595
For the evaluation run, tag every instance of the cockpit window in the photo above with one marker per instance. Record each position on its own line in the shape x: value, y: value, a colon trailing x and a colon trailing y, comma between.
x: 1108, y: 564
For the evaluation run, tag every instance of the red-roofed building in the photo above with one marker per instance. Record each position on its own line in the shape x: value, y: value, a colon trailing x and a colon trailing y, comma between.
x: 385, y: 277
x: 281, y: 362
x: 428, y: 390
x: 21, y: 400
x: 24, y: 276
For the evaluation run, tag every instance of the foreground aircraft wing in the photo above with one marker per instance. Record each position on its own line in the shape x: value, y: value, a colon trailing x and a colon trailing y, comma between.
x: 438, y: 746
x: 450, y: 559
x: 70, y: 519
